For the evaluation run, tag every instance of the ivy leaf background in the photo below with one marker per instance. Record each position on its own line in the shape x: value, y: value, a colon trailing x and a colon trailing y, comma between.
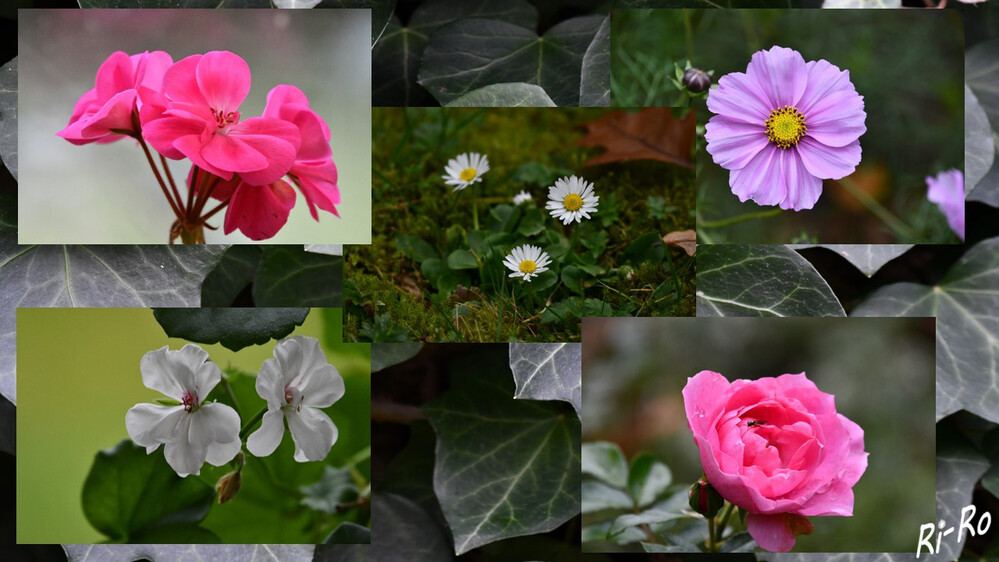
x: 548, y: 371
x: 868, y: 258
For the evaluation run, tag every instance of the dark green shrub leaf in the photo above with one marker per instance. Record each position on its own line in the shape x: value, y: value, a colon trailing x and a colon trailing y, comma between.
x: 290, y: 276
x: 235, y: 328
x: 349, y: 533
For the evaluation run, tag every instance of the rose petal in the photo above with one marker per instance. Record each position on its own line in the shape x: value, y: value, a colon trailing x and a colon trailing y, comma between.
x: 776, y: 532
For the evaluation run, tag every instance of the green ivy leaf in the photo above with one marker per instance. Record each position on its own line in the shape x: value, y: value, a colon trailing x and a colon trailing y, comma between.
x: 548, y: 371
x: 505, y: 467
x: 233, y: 273
x: 980, y: 148
x: 201, y: 553
x: 403, y: 531
x: 334, y: 488
x: 594, y: 88
x: 982, y: 76
x: 384, y: 355
x: 291, y: 276
x: 514, y: 94
x: 8, y: 115
x: 349, y: 533
x: 760, y: 281
x: 967, y: 345
x: 93, y: 276
x: 868, y: 258
x: 453, y: 59
x: 234, y: 328
x: 123, y: 480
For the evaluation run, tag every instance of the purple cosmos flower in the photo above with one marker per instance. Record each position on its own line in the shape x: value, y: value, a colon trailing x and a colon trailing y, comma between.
x: 946, y: 189
x: 784, y: 126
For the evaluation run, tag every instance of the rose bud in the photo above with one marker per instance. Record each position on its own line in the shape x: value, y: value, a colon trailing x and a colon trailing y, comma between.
x: 704, y: 499
x: 696, y: 80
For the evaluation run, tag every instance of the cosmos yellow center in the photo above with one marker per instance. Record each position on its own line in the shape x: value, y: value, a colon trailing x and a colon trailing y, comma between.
x: 786, y: 126
x: 572, y: 202
x: 468, y: 174
x: 528, y: 266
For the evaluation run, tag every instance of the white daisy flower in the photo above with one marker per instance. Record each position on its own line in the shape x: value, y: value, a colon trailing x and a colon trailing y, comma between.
x: 527, y: 261
x: 465, y: 170
x: 522, y: 197
x: 571, y: 199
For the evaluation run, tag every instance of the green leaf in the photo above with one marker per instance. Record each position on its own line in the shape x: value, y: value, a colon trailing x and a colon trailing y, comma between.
x: 94, y: 276
x: 505, y: 467
x: 572, y: 276
x: 411, y: 471
x: 462, y: 259
x: 404, y: 531
x: 514, y: 94
x: 646, y: 248
x: 654, y: 547
x: 648, y: 479
x: 8, y: 115
x: 234, y: 328
x: 598, y: 496
x: 349, y: 533
x: 739, y: 542
x: 980, y: 149
x: 471, y: 53
x: 533, y: 222
x: 415, y: 248
x: 644, y: 518
x: 121, y: 482
x: 384, y: 355
x: 233, y: 274
x: 868, y: 258
x: 201, y: 553
x: 175, y: 533
x: 381, y: 11
x: 605, y: 461
x: 335, y: 487
x: 964, y: 303
x: 982, y: 76
x: 575, y: 308
x: 594, y: 88
x: 760, y: 281
x: 548, y: 371
x: 862, y: 4
x: 396, y: 57
x: 290, y: 276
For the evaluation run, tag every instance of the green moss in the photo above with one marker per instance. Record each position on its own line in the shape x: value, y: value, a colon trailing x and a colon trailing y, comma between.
x: 411, y: 147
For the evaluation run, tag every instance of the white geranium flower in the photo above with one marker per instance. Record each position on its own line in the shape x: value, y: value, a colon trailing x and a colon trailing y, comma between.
x: 191, y: 432
x: 571, y: 199
x: 296, y: 384
x: 465, y: 170
x: 527, y: 261
x: 522, y: 197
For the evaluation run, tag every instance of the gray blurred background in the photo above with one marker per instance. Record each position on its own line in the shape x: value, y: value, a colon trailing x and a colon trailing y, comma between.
x: 881, y: 371
x: 107, y: 193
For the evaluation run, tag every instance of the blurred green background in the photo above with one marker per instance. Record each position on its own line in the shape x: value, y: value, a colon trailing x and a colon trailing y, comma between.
x: 908, y: 65
x: 881, y: 371
x: 106, y: 194
x: 78, y: 373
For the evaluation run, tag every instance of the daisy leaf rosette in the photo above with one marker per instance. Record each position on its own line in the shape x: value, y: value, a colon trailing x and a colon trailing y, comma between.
x: 191, y: 431
x: 777, y: 448
x: 572, y: 199
x: 783, y: 126
x: 465, y: 169
x: 946, y: 190
x: 527, y: 261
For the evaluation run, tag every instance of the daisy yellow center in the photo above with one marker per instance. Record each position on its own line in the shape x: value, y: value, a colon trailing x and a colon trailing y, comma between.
x: 572, y: 202
x: 786, y: 126
x: 528, y: 267
x: 468, y: 174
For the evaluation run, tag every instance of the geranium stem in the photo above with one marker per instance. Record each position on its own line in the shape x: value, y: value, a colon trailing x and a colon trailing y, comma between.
x: 173, y: 186
x: 149, y: 157
x: 712, y: 546
x: 253, y: 421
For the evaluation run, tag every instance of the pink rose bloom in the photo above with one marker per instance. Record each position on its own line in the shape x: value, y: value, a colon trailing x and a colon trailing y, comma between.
x: 107, y: 108
x: 313, y: 171
x: 201, y: 121
x: 946, y: 189
x: 777, y: 448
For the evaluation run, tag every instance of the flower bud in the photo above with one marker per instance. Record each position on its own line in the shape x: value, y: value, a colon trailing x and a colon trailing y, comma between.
x: 696, y: 80
x: 228, y: 485
x: 704, y: 499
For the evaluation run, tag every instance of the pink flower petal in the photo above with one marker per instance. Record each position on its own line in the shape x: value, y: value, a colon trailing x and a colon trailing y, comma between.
x: 224, y: 80
x: 838, y: 119
x: 740, y: 99
x: 231, y: 153
x: 163, y: 133
x: 180, y: 84
x: 317, y: 182
x: 281, y: 95
x: 781, y: 74
x: 150, y: 68
x: 191, y: 146
x: 760, y: 179
x: 802, y: 187
x: 776, y: 532
x: 116, y: 114
x: 733, y: 144
x: 827, y: 162
x: 276, y: 140
x: 259, y: 212
x: 115, y: 75
x: 946, y: 189
x: 824, y: 78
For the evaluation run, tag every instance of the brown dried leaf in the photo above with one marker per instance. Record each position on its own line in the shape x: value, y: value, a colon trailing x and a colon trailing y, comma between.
x: 686, y: 239
x: 650, y: 134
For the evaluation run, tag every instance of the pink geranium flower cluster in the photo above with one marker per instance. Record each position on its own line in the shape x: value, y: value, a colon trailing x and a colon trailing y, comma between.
x: 190, y: 109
